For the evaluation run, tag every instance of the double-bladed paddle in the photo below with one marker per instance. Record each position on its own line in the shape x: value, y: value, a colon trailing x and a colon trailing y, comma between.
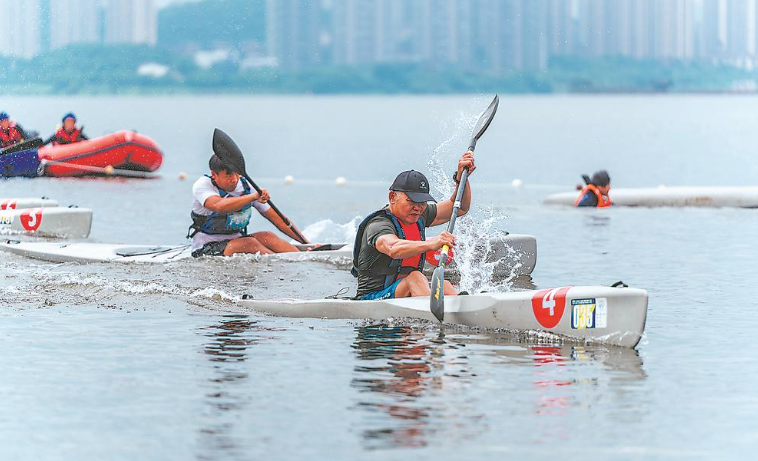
x: 437, y: 299
x: 228, y: 151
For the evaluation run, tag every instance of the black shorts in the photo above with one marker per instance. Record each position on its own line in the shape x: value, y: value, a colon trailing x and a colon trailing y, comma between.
x: 211, y: 249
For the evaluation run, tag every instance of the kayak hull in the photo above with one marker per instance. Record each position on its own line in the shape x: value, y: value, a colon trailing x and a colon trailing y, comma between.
x: 619, y: 313
x: 517, y: 254
x: 47, y: 222
x: 715, y: 197
x: 22, y: 202
x: 123, y: 150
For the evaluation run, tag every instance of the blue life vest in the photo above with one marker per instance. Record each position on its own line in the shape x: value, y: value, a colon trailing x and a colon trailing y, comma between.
x: 234, y: 222
x: 390, y: 268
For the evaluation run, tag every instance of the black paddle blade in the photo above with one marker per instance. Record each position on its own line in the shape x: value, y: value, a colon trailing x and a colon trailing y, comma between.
x: 484, y: 121
x: 228, y: 151
x: 437, y: 299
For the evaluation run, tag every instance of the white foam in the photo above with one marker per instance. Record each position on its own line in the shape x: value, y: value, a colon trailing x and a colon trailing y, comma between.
x: 214, y: 295
x: 329, y: 231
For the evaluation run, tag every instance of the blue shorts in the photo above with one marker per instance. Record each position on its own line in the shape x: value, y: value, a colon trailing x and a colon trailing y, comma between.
x: 387, y: 293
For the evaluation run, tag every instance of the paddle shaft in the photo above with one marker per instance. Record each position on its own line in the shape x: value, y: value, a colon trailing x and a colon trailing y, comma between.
x: 286, y: 220
x: 437, y: 298
x: 22, y: 146
x: 454, y: 217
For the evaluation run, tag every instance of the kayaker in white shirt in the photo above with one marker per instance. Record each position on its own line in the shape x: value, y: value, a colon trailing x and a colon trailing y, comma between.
x: 221, y: 212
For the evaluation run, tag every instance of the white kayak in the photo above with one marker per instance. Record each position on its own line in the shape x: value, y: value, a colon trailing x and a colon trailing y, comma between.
x: 600, y: 314
x: 515, y: 253
x: 739, y: 197
x: 87, y: 253
x: 47, y: 222
x: 20, y: 203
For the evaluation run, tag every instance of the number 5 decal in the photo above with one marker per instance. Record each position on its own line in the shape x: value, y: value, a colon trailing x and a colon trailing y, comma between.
x: 31, y: 219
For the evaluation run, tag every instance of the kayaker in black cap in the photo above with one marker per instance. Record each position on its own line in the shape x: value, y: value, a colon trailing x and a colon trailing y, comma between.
x: 595, y: 192
x: 391, y: 246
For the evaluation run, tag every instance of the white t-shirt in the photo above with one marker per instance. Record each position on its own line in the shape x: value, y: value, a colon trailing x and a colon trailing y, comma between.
x: 202, y: 190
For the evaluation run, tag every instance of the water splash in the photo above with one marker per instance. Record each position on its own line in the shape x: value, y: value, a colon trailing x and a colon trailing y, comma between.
x: 481, y: 251
x: 327, y: 231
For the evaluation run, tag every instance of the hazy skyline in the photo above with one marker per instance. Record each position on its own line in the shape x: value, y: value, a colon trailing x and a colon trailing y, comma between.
x: 163, y: 3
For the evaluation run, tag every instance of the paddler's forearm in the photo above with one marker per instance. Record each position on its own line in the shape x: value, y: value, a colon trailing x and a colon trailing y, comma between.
x: 401, y: 249
x: 230, y: 204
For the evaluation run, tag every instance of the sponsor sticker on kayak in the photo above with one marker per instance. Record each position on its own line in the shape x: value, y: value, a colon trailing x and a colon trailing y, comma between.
x: 6, y: 219
x: 548, y: 306
x: 589, y: 313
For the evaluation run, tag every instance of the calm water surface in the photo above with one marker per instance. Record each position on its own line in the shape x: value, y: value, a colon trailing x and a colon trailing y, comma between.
x: 105, y: 362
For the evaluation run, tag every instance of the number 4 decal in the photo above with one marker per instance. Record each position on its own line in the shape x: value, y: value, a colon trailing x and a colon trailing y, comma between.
x: 548, y: 306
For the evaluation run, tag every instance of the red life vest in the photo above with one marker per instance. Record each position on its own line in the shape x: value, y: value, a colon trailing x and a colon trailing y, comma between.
x: 11, y: 137
x: 603, y: 201
x: 412, y: 233
x: 64, y: 137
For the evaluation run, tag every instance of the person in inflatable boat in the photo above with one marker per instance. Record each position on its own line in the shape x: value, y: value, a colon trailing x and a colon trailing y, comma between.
x: 68, y: 133
x: 595, y: 192
x: 391, y: 245
x: 11, y: 133
x: 221, y: 211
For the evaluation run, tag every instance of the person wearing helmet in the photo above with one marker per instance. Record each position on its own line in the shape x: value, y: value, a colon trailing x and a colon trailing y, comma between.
x: 68, y: 132
x: 11, y: 133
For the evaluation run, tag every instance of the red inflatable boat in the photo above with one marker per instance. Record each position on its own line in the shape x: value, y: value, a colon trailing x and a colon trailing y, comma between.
x: 124, y: 150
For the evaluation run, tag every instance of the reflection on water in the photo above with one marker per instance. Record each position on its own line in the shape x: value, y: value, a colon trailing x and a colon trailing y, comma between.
x: 595, y: 220
x: 399, y: 369
x: 418, y: 387
x: 227, y: 350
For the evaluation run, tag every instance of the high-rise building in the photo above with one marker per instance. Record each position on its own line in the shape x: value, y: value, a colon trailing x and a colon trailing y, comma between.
x: 19, y: 23
x: 618, y: 19
x: 507, y: 34
x: 673, y: 29
x: 642, y: 29
x: 534, y: 35
x: 293, y: 32
x: 362, y: 30
x: 447, y: 31
x: 74, y: 21
x: 560, y: 28
x: 502, y: 24
x: 713, y: 29
x: 401, y: 31
x: 741, y: 38
x: 131, y: 21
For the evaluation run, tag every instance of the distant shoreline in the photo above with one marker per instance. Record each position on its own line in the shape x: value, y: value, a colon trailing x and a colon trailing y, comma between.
x: 151, y: 92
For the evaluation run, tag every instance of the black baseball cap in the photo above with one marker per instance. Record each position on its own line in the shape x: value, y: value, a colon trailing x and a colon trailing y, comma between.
x: 601, y: 178
x: 414, y: 184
